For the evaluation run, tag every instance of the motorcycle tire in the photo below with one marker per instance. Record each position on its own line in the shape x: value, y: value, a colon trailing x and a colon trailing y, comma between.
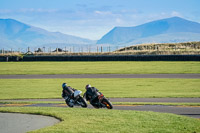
x: 71, y: 106
x: 84, y: 104
x: 107, y: 103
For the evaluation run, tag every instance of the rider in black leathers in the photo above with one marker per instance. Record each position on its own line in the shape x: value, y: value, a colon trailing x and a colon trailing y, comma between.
x: 67, y: 92
x: 92, y: 94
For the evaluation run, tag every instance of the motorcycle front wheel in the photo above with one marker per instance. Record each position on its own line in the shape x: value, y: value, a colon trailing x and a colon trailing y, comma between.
x: 83, y: 102
x: 107, y: 103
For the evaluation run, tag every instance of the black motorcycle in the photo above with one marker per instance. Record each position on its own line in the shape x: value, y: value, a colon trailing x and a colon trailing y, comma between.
x: 101, y: 102
x: 77, y: 100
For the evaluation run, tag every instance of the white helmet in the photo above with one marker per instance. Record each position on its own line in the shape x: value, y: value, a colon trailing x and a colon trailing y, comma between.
x: 87, y: 86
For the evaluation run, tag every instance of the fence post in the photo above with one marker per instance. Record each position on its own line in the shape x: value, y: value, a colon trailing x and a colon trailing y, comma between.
x: 43, y: 49
x: 97, y: 49
x: 79, y: 49
x: 34, y: 50
x: 89, y: 48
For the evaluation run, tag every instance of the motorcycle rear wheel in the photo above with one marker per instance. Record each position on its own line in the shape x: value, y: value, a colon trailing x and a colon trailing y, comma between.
x: 107, y: 103
x: 67, y: 102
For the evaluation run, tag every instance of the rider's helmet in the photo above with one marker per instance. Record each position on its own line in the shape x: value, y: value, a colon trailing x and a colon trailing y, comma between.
x: 64, y: 85
x: 87, y: 86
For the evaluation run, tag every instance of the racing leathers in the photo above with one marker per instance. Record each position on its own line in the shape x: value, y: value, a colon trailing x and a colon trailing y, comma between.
x: 91, y: 95
x: 67, y: 92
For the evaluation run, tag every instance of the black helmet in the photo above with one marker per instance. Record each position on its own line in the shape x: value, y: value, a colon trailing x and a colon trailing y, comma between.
x: 64, y: 85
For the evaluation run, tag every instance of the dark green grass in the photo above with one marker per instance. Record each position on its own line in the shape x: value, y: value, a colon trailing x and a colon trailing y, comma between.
x: 98, y: 67
x: 51, y: 88
x: 101, y: 120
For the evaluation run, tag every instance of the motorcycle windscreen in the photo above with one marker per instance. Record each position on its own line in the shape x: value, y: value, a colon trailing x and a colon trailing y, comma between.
x: 77, y: 92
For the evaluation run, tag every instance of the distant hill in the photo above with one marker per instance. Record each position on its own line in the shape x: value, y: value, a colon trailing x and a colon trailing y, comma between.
x: 184, y: 48
x: 170, y: 30
x: 15, y: 34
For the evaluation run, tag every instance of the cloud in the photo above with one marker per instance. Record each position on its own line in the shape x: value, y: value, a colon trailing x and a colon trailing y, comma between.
x: 175, y: 13
x: 5, y: 11
x: 103, y: 12
x: 39, y: 10
x: 119, y: 21
x: 27, y: 10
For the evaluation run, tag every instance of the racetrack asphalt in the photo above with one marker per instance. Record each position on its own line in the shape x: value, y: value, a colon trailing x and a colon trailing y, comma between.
x: 22, y: 123
x: 191, y: 111
x: 186, y: 76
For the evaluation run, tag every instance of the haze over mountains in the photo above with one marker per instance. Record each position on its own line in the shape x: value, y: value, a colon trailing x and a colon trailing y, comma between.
x: 168, y: 30
x: 15, y: 34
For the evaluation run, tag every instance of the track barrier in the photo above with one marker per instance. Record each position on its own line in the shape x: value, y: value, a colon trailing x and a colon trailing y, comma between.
x: 102, y: 58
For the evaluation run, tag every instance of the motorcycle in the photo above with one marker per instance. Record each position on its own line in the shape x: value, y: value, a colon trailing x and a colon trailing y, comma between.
x: 77, y: 100
x: 101, y: 102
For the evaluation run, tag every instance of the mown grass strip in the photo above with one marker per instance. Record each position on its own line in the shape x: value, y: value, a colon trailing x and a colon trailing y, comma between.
x: 94, y: 120
x: 120, y: 88
x: 109, y: 67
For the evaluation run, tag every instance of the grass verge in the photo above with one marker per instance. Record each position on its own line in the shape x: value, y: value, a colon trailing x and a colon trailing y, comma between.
x: 121, y: 88
x: 99, y: 67
x: 94, y: 120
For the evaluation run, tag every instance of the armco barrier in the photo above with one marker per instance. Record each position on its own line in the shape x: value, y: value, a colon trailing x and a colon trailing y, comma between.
x: 115, y: 58
x: 104, y: 58
x: 10, y: 58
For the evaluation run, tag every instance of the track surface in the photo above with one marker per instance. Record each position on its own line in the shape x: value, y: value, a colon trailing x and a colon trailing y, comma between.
x: 190, y: 111
x: 188, y: 76
x: 22, y: 123
x: 156, y: 100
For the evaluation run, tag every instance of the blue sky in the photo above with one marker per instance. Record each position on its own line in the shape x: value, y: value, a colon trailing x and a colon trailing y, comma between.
x: 93, y: 18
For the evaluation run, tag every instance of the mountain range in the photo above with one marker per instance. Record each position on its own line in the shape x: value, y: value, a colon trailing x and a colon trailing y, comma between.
x: 170, y: 30
x: 15, y: 34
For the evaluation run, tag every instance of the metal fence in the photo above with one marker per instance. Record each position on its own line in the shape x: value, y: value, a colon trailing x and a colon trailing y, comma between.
x: 96, y: 49
x: 83, y: 49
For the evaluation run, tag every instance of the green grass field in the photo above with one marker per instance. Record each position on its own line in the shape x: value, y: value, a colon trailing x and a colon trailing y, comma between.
x: 98, y: 67
x: 94, y: 120
x: 51, y: 88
